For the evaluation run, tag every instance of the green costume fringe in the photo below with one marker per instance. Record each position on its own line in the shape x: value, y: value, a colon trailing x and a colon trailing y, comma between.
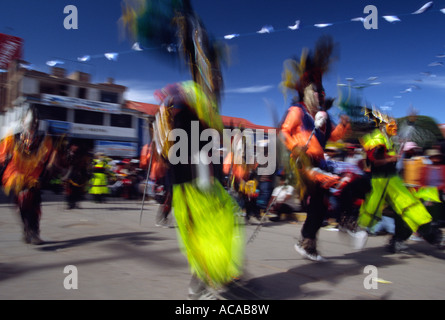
x: 209, y: 231
x: 399, y: 197
x: 391, y: 190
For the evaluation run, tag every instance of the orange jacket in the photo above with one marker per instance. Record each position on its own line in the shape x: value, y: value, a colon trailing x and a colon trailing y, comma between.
x: 296, y: 132
x: 158, y: 166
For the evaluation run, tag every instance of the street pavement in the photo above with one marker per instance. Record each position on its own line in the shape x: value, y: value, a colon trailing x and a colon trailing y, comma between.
x: 117, y: 257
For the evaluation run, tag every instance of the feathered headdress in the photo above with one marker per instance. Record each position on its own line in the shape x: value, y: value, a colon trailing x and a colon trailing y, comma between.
x: 310, y: 68
x: 173, y: 24
x: 377, y: 116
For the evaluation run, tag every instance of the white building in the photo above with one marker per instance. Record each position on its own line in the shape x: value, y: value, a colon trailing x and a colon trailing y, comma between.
x: 73, y: 106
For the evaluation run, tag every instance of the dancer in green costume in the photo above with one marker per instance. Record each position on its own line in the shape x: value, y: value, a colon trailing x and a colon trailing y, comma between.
x: 210, y: 233
x: 99, y: 180
x: 389, y: 188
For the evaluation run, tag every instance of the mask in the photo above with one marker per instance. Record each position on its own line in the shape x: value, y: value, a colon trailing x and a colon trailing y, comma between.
x: 391, y: 128
x: 320, y: 119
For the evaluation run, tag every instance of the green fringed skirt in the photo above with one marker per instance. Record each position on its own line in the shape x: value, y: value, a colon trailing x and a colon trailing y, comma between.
x: 210, y: 233
x: 393, y: 191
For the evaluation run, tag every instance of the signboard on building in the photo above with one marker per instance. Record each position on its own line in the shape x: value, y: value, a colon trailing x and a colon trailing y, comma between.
x: 77, y: 103
x: 58, y: 127
x: 94, y: 132
x: 116, y: 148
x: 11, y: 48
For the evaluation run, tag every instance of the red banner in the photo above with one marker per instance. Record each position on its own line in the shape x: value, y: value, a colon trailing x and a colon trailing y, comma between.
x: 10, y: 49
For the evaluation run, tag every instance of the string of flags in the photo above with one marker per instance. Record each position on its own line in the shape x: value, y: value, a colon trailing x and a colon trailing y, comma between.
x: 297, y: 25
x: 267, y: 29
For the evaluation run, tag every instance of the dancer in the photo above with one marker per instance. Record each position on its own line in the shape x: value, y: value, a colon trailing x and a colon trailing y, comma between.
x: 306, y: 129
x: 160, y: 175
x: 27, y: 157
x: 388, y: 187
x: 99, y: 180
x: 77, y: 176
x: 210, y: 235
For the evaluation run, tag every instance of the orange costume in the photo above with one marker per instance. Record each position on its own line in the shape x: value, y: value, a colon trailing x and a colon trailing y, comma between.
x: 306, y: 129
x: 26, y: 159
x: 158, y: 167
x: 25, y: 166
x: 297, y: 129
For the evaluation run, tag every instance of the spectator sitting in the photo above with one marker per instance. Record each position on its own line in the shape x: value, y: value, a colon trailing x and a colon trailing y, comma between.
x: 283, y: 200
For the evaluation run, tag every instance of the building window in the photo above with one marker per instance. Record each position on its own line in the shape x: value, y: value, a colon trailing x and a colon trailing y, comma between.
x: 82, y: 93
x: 51, y: 113
x: 47, y: 88
x: 62, y: 90
x: 111, y: 97
x: 88, y: 117
x: 59, y: 89
x: 121, y: 120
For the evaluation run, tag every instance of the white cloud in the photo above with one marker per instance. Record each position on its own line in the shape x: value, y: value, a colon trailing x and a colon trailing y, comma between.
x: 140, y: 95
x: 141, y: 91
x: 252, y: 89
x: 432, y: 81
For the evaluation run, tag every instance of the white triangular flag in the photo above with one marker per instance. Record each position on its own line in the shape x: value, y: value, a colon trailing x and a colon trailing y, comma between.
x: 425, y: 7
x: 53, y: 63
x: 391, y: 18
x: 266, y: 29
x: 111, y: 56
x: 84, y: 58
x: 136, y: 47
x: 296, y: 26
x: 231, y: 36
x: 322, y: 25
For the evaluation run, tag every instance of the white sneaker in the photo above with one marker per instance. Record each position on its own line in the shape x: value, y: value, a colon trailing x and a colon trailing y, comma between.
x: 314, y: 256
x: 202, y: 295
x: 206, y: 293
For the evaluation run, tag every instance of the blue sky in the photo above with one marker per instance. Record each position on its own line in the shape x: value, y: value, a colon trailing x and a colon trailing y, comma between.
x: 398, y: 54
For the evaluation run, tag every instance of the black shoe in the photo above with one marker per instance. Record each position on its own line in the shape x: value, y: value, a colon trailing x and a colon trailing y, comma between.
x: 396, y: 246
x: 27, y: 238
x: 35, y: 238
x: 441, y: 244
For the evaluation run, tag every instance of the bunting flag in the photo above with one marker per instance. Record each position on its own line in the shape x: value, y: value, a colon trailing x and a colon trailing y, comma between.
x: 266, y: 29
x: 84, y: 58
x: 53, y: 63
x: 297, y: 26
x: 391, y: 18
x: 424, y: 8
x: 137, y: 47
x: 112, y: 56
x: 231, y: 36
x: 322, y: 25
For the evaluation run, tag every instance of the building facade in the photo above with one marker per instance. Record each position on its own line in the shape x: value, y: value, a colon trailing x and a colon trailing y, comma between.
x: 94, y: 114
x: 73, y: 106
